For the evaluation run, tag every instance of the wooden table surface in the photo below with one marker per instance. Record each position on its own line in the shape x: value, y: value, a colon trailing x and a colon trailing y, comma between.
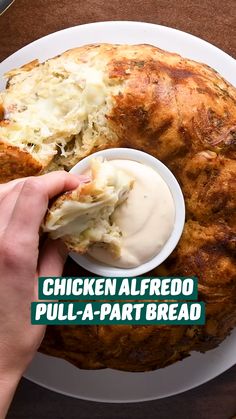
x: 212, y: 20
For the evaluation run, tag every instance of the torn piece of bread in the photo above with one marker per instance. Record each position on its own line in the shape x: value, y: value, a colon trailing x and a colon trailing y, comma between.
x: 83, y: 217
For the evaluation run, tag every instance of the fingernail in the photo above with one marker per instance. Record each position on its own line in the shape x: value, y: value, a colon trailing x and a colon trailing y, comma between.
x: 84, y: 178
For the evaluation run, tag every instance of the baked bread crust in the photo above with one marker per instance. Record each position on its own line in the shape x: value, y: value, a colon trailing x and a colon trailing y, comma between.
x: 16, y: 163
x: 183, y: 113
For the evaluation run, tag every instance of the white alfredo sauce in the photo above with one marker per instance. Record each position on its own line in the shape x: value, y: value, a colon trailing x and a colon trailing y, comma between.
x: 146, y: 218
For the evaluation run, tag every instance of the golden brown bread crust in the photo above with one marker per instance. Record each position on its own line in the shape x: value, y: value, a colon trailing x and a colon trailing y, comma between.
x: 166, y: 105
x: 172, y: 106
x: 206, y: 251
x: 16, y: 163
x: 183, y: 113
x: 209, y: 186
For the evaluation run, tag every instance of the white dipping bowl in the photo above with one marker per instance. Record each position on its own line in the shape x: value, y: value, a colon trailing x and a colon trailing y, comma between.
x: 104, y: 270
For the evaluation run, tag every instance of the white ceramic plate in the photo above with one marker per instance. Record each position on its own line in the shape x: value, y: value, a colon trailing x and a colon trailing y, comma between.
x: 109, y: 385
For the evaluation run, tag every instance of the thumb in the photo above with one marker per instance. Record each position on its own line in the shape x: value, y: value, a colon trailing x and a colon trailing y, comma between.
x: 52, y: 258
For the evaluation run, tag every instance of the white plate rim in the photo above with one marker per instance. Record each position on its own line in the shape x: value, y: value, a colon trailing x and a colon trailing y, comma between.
x: 140, y: 400
x: 6, y: 65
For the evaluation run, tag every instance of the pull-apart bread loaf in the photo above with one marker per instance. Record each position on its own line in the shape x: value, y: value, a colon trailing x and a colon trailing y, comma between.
x: 184, y: 113
x: 100, y: 96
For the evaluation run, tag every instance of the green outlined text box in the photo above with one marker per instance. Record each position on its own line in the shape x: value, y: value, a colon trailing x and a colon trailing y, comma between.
x: 113, y: 288
x: 95, y: 313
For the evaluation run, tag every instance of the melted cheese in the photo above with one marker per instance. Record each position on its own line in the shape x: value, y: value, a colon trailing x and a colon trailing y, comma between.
x: 49, y: 104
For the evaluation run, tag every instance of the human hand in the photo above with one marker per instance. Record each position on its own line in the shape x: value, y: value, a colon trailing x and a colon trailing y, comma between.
x: 23, y: 204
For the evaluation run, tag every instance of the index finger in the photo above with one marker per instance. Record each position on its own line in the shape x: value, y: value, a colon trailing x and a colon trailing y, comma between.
x: 55, y: 183
x: 51, y: 182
